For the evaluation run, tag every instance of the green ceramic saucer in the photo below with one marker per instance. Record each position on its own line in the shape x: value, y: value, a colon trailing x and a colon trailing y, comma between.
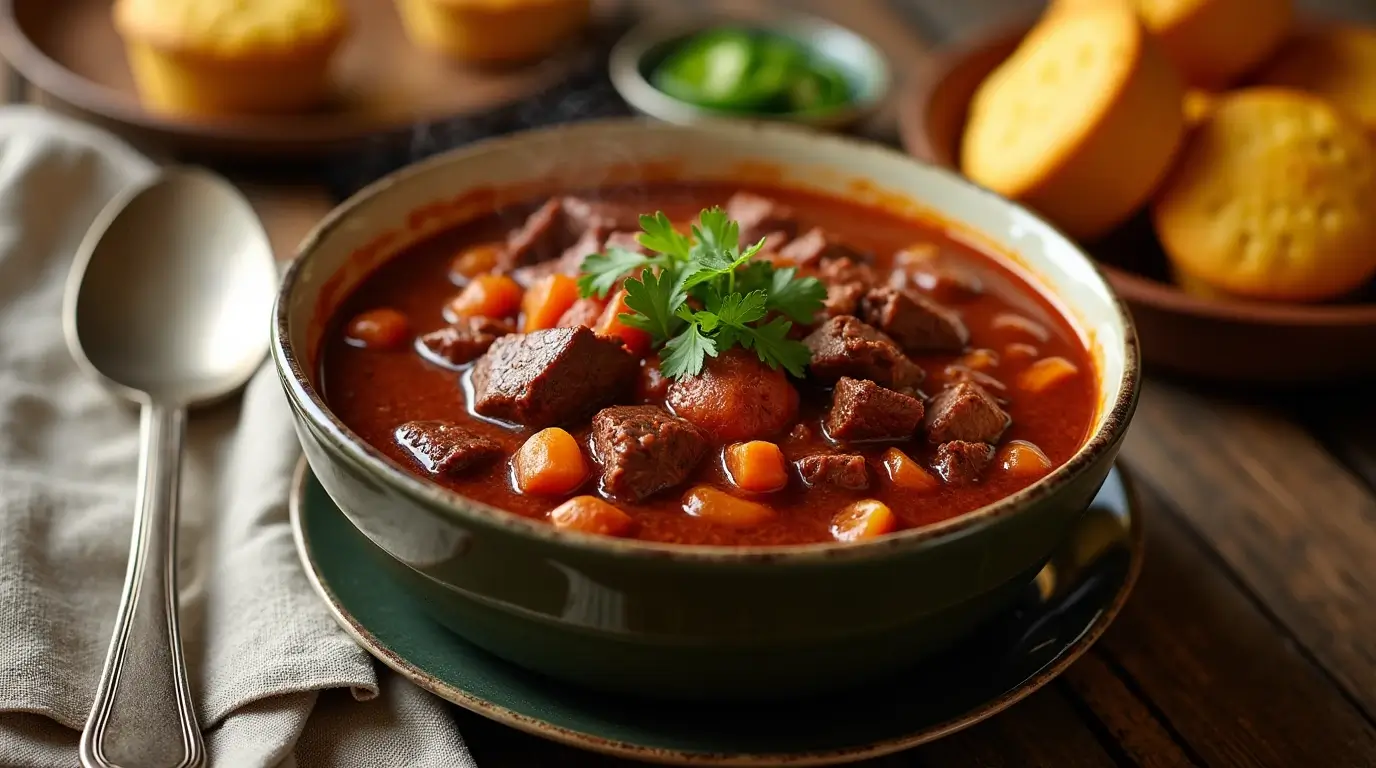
x: 1061, y: 614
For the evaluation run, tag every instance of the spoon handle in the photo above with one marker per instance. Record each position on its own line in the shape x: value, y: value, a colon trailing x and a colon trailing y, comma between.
x: 143, y: 716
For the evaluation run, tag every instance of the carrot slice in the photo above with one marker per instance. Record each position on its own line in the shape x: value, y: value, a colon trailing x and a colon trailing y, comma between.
x: 549, y: 463
x: 865, y: 519
x: 1020, y: 458
x: 378, y: 329
x: 546, y: 301
x: 473, y: 261
x: 494, y: 296
x: 756, y: 466
x: 1046, y: 373
x: 720, y: 507
x: 904, y: 472
x: 635, y: 340
x: 589, y: 514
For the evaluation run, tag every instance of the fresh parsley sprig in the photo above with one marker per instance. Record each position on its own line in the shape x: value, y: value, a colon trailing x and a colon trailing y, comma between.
x: 700, y: 295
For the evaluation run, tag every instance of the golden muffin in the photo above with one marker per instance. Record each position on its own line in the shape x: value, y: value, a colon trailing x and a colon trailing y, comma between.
x: 1080, y: 123
x: 1337, y: 63
x: 1273, y: 198
x: 223, y: 57
x: 493, y: 31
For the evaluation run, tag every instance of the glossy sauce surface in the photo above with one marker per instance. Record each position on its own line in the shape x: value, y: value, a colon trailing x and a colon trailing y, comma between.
x: 373, y: 391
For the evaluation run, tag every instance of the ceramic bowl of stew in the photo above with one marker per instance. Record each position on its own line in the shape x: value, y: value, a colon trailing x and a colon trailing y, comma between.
x: 970, y: 381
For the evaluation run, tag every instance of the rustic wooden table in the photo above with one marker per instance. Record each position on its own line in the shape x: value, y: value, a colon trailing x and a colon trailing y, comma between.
x: 1251, y: 638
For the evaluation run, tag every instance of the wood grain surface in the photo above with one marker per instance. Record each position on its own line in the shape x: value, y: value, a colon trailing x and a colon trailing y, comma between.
x: 1251, y: 638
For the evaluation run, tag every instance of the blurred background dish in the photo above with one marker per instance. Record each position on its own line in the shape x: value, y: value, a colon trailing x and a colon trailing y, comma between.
x: 378, y: 80
x: 794, y: 68
x: 1293, y: 270
x: 493, y: 31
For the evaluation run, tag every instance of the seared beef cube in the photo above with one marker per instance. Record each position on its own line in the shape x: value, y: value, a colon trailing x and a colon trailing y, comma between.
x: 542, y: 237
x: 570, y: 262
x: 842, y: 470
x: 444, y: 448
x: 817, y: 247
x: 626, y: 241
x: 456, y: 345
x: 583, y: 312
x: 844, y: 346
x: 644, y: 449
x: 551, y: 377
x: 842, y: 299
x: 760, y: 217
x: 603, y: 214
x: 863, y: 410
x: 846, y: 271
x: 967, y: 412
x: 960, y: 462
x: 917, y: 323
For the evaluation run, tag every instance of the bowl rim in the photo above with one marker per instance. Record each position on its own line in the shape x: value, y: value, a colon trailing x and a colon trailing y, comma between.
x: 914, y: 114
x: 310, y: 405
x: 629, y: 52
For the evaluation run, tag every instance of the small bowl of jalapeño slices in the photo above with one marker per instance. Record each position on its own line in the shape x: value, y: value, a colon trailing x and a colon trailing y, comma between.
x: 799, y: 69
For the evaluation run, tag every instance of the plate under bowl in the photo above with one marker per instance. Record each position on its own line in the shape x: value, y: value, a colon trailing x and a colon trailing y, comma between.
x: 1054, y: 620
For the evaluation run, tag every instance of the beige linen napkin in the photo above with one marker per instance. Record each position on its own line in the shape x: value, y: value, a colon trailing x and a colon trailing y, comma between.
x: 276, y: 681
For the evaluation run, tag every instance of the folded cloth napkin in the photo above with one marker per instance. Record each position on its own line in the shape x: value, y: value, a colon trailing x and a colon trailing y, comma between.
x: 276, y: 682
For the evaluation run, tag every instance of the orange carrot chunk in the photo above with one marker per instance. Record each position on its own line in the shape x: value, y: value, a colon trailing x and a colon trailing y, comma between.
x: 473, y: 261
x: 546, y: 301
x: 1046, y: 373
x: 1020, y: 458
x: 757, y: 466
x: 494, y: 296
x: 707, y: 503
x: 378, y: 329
x: 865, y: 519
x: 635, y: 340
x: 549, y: 463
x: 904, y: 472
x: 589, y: 514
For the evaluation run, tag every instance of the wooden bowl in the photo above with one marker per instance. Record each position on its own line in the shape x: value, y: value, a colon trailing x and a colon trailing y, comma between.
x: 382, y: 82
x: 1223, y: 339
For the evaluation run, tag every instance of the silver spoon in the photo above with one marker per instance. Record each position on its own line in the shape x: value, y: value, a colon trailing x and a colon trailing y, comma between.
x: 168, y: 306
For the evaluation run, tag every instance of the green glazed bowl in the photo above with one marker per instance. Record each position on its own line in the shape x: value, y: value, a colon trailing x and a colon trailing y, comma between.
x: 678, y: 621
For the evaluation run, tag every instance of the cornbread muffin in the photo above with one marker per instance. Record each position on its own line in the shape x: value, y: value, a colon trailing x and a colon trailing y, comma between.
x: 1213, y: 42
x: 1080, y: 122
x: 493, y: 31
x: 1272, y: 198
x: 222, y: 57
x: 1337, y: 63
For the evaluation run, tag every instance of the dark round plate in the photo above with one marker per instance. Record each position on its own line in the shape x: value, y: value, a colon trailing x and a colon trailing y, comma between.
x: 1061, y: 614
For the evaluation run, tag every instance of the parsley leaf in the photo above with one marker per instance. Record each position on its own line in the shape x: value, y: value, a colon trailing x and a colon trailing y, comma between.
x: 772, y: 345
x: 655, y: 299
x: 737, y: 310
x: 687, y: 353
x: 658, y: 235
x: 602, y: 270
x: 799, y: 298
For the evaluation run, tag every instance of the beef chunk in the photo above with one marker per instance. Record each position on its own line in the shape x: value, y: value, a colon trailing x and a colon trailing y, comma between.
x: 863, y: 410
x: 842, y: 299
x: 583, y: 312
x: 564, y: 226
x: 960, y: 462
x: 760, y: 217
x: 626, y: 241
x: 462, y: 343
x: 444, y: 448
x: 644, y: 449
x: 917, y: 323
x: 607, y: 215
x: 551, y: 377
x: 817, y: 247
x: 923, y: 266
x: 842, y: 470
x: 844, y: 346
x: 967, y: 412
x: 847, y: 281
x: 570, y: 262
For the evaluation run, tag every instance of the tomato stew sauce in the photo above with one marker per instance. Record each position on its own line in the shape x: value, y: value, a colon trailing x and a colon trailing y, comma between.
x: 1010, y: 396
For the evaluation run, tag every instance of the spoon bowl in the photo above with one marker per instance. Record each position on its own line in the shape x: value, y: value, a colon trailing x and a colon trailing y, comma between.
x: 167, y: 305
x: 172, y: 291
